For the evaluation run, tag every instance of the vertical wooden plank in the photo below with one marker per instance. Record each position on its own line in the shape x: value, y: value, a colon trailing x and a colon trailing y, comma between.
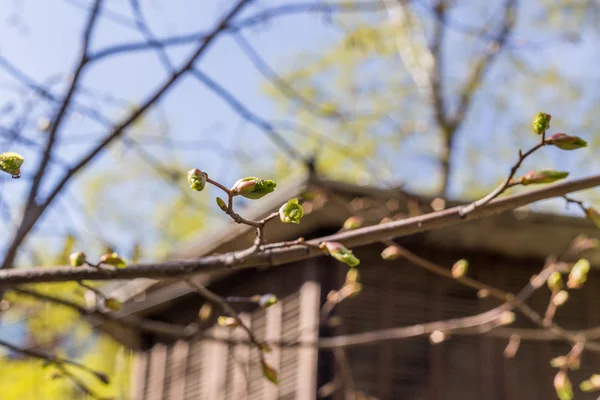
x: 306, y: 383
x: 509, y: 366
x: 214, y: 369
x: 139, y: 372
x: 241, y: 357
x: 386, y: 349
x: 179, y: 370
x: 156, y: 377
x: 436, y: 356
x: 546, y: 372
x: 593, y: 313
x: 273, y: 334
x: 486, y: 346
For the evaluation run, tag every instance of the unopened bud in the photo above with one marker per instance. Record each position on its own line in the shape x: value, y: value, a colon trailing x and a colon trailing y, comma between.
x: 591, y: 385
x: 353, y: 223
x: 196, y: 179
x: 541, y: 123
x: 113, y: 259
x: 269, y: 372
x: 77, y: 259
x: 229, y: 322
x: 507, y: 318
x: 11, y: 163
x: 558, y: 362
x: 267, y: 300
x: 291, y: 212
x: 560, y: 298
x: 253, y: 188
x: 459, y: 269
x: 578, y: 274
x: 555, y: 281
x: 542, y: 176
x: 483, y: 293
x: 593, y: 215
x: 340, y: 253
x: 352, y: 275
x: 205, y: 312
x: 437, y: 337
x: 43, y: 124
x: 391, y: 253
x: 566, y: 142
x: 113, y: 304
x: 221, y: 204
x: 562, y: 385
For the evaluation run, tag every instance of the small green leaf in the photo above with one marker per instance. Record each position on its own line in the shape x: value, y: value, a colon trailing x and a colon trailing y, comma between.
x: 593, y: 215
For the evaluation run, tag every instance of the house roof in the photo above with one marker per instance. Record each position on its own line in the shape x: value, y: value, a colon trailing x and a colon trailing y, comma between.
x: 519, y: 233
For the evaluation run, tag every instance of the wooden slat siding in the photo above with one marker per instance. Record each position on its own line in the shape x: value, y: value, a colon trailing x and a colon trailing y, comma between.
x: 593, y: 315
x: 139, y: 373
x: 241, y: 358
x: 215, y: 364
x: 156, y: 377
x: 272, y: 334
x: 436, y: 355
x: 256, y: 381
x: 510, y: 367
x: 486, y: 354
x: 308, y: 332
x: 288, y: 370
x: 386, y: 349
x: 178, y: 370
x: 195, y: 384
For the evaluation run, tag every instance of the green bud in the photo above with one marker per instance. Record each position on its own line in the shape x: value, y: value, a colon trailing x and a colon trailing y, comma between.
x: 77, y: 259
x: 221, y: 204
x: 555, y: 281
x: 228, y: 322
x: 291, y: 212
x: 460, y: 268
x: 593, y: 215
x: 11, y: 163
x: 541, y: 122
x: 340, y: 253
x: 566, y: 142
x: 563, y: 387
x: 113, y: 259
x: 267, y: 300
x: 558, y: 362
x: 270, y: 373
x: 196, y: 179
x: 542, y: 176
x: 578, y: 274
x: 253, y: 188
x: 590, y: 385
x: 560, y: 298
x: 205, y: 312
x: 113, y: 304
x: 353, y: 223
x: 352, y: 276
x: 391, y: 253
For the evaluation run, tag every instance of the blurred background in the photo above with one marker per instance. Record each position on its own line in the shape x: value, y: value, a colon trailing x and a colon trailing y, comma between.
x: 434, y: 96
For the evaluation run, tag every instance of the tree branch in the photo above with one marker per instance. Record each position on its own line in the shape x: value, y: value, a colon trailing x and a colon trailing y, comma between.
x: 282, y: 255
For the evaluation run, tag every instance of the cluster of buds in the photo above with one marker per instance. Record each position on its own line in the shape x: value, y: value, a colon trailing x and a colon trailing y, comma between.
x: 340, y: 253
x: 197, y: 179
x: 253, y: 188
x: 578, y: 274
x: 541, y: 123
x: 542, y: 176
x: 291, y: 212
x: 11, y: 163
